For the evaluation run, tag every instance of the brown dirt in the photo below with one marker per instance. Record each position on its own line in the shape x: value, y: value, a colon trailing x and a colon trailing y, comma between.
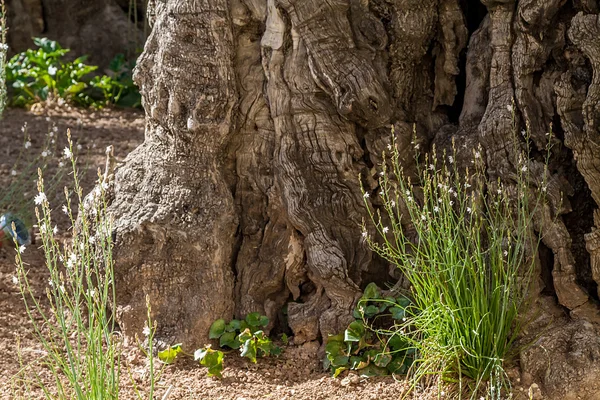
x: 296, y: 374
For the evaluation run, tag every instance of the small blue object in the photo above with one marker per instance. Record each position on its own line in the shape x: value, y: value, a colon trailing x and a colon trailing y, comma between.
x: 21, y: 234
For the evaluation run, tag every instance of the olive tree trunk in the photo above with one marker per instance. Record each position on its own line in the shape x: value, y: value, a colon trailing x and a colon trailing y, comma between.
x: 261, y: 114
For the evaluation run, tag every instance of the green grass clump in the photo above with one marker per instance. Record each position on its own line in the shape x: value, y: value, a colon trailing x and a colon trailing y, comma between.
x: 464, y: 244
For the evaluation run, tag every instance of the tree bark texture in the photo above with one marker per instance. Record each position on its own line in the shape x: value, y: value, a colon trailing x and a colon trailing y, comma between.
x: 261, y: 114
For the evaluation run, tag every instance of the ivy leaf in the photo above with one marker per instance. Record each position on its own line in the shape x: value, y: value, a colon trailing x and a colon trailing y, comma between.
x: 403, y: 301
x: 358, y: 362
x: 371, y: 311
x: 397, y: 365
x: 355, y: 331
x: 338, y: 371
x: 276, y: 350
x: 217, y: 329
x: 340, y: 361
x: 248, y: 350
x: 233, y: 326
x: 371, y: 291
x: 245, y: 335
x: 382, y: 359
x: 169, y: 355
x: 398, y: 312
x: 373, y: 370
x: 263, y: 343
x: 212, y: 359
x: 397, y: 342
x: 255, y: 319
x: 230, y: 340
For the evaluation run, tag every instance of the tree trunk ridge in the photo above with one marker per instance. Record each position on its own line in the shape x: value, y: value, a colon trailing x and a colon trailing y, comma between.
x: 261, y: 114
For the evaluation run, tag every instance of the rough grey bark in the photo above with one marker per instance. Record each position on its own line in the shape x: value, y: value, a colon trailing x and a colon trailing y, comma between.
x: 262, y: 113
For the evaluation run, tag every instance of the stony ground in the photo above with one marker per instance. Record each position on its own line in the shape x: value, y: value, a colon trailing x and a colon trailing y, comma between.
x: 296, y: 374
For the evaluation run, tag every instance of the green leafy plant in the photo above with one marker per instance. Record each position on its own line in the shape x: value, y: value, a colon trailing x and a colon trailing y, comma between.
x: 44, y: 74
x: 118, y: 87
x: 372, y: 344
x: 467, y: 262
x: 246, y: 335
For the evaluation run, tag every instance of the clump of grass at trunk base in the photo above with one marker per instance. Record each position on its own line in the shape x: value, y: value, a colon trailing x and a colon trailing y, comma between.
x: 3, y: 55
x: 468, y: 265
x: 75, y: 328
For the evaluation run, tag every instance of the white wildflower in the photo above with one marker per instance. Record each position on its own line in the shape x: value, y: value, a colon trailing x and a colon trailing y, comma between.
x: 21, y: 249
x: 92, y: 239
x: 27, y: 144
x: 62, y: 288
x: 65, y: 209
x: 364, y: 234
x: 45, y: 153
x: 509, y: 107
x: 423, y: 217
x: 55, y: 230
x: 52, y: 70
x: 393, y: 203
x: 469, y: 210
x: 72, y: 260
x: 67, y: 152
x: 451, y: 159
x: 524, y: 168
x: 366, y: 195
x: 40, y: 198
x: 386, y: 229
x: 61, y: 164
x: 436, y: 209
x: 50, y: 282
x: 13, y: 172
x: 451, y: 203
x: 389, y: 147
x: 409, y: 199
x: 431, y: 167
x: 146, y: 331
x: 477, y: 154
x: 79, y: 147
x: 15, y: 280
x: 505, y: 253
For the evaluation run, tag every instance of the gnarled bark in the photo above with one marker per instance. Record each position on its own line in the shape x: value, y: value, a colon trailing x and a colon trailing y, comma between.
x: 262, y: 113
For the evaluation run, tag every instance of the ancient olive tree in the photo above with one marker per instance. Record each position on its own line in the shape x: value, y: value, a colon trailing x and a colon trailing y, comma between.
x: 261, y: 114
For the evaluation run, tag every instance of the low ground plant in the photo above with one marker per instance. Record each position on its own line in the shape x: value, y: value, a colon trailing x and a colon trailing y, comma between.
x: 462, y: 242
x: 245, y: 335
x: 373, y: 344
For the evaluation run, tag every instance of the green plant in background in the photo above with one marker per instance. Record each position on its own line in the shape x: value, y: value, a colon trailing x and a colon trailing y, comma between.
x: 3, y: 55
x: 118, y: 87
x: 41, y: 74
x: 375, y: 342
x: 44, y: 74
x: 467, y: 264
